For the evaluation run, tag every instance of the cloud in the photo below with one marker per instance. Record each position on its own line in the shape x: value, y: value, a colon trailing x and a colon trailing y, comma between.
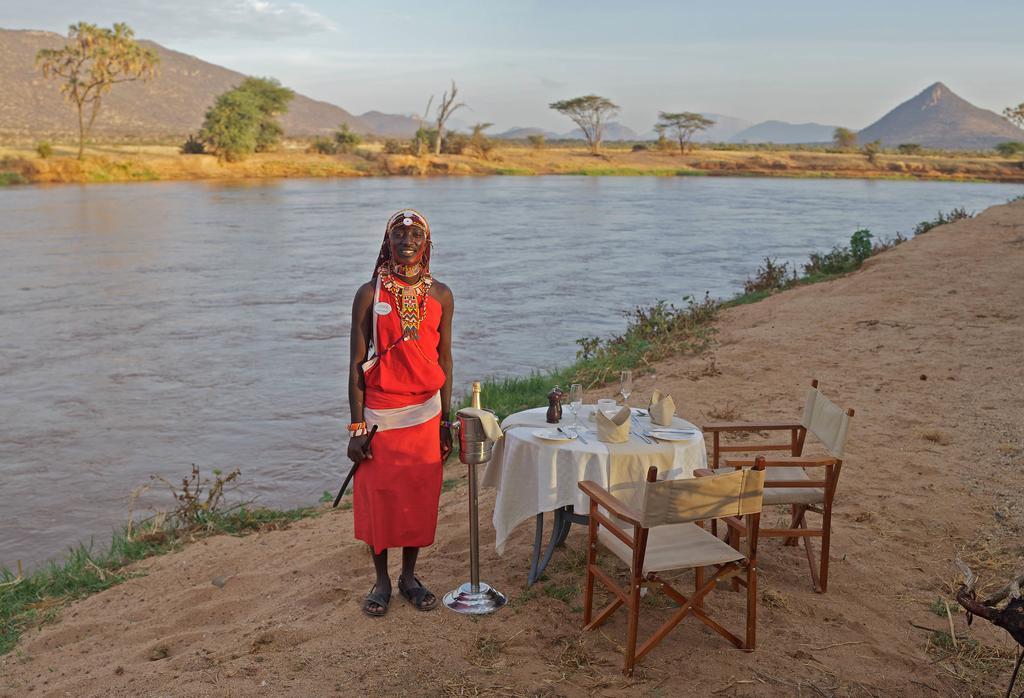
x: 183, y: 19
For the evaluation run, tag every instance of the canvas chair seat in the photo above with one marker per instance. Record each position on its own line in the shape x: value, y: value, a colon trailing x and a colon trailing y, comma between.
x: 675, y: 546
x: 790, y: 495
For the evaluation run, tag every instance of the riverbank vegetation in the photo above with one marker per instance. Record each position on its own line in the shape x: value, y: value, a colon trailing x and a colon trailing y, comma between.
x: 476, y: 154
x: 31, y: 599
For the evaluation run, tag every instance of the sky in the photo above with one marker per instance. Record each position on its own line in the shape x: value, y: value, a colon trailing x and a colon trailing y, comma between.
x: 842, y: 64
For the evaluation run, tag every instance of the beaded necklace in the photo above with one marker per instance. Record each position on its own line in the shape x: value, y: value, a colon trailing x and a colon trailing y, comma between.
x: 411, y: 299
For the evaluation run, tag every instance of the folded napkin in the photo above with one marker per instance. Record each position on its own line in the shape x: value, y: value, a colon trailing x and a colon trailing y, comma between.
x: 662, y: 409
x: 492, y: 430
x: 614, y: 429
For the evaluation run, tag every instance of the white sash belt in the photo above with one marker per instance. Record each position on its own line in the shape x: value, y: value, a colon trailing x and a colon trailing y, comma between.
x: 402, y: 417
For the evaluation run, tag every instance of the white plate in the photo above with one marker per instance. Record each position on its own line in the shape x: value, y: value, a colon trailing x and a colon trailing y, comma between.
x: 673, y: 434
x: 553, y: 435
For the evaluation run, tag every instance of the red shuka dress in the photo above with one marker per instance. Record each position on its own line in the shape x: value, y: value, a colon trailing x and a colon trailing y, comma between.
x: 396, y: 493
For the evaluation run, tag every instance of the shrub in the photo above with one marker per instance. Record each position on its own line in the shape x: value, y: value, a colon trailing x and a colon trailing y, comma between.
x: 639, y: 147
x: 536, y: 141
x: 769, y: 277
x: 345, y: 139
x: 957, y: 214
x: 323, y: 145
x: 871, y: 151
x: 7, y: 178
x: 394, y: 147
x: 838, y: 260
x: 455, y: 143
x: 860, y: 245
x: 1010, y: 149
x: 243, y: 120
x: 44, y: 149
x: 909, y: 149
x: 193, y: 146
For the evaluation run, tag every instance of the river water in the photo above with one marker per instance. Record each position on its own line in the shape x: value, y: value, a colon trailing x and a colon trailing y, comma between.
x: 146, y: 327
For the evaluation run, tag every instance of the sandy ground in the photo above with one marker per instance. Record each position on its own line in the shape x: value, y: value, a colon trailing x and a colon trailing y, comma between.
x: 924, y: 342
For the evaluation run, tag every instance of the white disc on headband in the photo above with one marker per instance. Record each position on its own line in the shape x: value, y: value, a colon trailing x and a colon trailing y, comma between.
x: 382, y: 308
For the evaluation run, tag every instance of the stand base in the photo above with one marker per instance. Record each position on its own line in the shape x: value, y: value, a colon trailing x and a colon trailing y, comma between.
x: 465, y: 600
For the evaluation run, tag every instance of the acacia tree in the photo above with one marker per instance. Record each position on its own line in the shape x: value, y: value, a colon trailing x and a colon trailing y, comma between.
x: 686, y: 124
x: 91, y: 63
x: 591, y: 114
x: 1015, y: 115
x: 445, y: 108
x: 844, y: 138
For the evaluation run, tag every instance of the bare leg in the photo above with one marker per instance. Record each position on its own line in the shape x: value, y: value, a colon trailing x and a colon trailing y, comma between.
x: 408, y: 578
x: 383, y: 584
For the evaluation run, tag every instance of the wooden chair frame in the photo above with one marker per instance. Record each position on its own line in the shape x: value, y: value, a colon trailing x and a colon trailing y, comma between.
x: 743, y: 572
x: 798, y: 526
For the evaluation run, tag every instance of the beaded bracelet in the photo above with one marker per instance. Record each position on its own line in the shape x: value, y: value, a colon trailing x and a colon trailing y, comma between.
x: 357, y: 428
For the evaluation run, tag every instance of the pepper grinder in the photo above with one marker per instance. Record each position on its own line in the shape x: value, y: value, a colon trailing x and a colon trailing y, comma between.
x: 554, y: 415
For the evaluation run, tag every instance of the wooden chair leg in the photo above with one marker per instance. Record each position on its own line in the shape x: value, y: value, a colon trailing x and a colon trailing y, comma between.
x: 734, y: 541
x: 751, y: 608
x: 826, y: 538
x: 798, y: 514
x: 634, y: 623
x: 698, y: 582
x: 588, y: 593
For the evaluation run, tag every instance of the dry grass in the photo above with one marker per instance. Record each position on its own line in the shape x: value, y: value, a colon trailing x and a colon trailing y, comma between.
x: 144, y: 162
x: 937, y: 437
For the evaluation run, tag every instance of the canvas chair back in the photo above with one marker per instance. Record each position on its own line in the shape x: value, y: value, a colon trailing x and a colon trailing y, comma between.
x: 826, y: 421
x: 680, y: 501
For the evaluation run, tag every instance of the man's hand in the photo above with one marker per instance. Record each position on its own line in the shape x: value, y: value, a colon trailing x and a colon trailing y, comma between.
x: 355, y: 449
x: 446, y: 443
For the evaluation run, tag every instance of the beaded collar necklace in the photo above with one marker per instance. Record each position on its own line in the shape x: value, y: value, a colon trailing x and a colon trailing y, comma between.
x: 411, y: 298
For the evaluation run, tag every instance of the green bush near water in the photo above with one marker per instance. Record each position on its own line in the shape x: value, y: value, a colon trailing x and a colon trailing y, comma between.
x: 8, y: 178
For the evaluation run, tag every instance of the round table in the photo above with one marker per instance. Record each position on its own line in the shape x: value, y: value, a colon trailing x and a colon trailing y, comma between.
x: 533, y: 475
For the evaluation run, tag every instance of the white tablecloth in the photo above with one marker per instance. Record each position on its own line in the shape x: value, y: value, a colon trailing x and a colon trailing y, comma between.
x: 533, y: 475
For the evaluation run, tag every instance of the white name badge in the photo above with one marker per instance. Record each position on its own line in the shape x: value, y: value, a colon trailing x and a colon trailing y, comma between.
x: 382, y: 308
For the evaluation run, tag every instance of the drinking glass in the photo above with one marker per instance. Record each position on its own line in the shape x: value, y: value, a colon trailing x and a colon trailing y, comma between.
x: 625, y: 386
x: 575, y: 403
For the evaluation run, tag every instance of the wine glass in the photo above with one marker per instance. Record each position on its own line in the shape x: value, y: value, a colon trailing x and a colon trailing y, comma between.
x: 575, y: 403
x: 625, y: 386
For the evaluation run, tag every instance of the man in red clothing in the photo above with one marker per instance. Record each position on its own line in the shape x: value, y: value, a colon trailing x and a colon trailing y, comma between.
x: 400, y: 379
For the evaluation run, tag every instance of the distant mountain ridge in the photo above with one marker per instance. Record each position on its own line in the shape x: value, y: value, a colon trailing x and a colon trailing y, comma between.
x: 939, y: 118
x: 785, y: 133
x: 174, y: 104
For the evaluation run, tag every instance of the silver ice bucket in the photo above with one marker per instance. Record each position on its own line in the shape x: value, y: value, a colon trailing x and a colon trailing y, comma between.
x: 474, y: 448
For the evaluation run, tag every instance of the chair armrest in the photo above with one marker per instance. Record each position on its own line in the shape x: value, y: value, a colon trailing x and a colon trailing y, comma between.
x: 605, y: 498
x: 750, y: 426
x: 703, y: 472
x: 782, y: 462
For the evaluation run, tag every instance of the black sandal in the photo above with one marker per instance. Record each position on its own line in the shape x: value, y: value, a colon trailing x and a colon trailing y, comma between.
x: 376, y: 597
x: 416, y: 595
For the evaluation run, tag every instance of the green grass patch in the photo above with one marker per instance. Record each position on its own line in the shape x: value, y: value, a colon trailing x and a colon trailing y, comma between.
x: 9, y: 178
x: 513, y: 171
x: 33, y: 599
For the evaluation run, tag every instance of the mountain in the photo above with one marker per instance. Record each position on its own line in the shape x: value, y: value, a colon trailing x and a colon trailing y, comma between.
x: 522, y: 132
x: 938, y: 118
x: 173, y: 104
x: 392, y: 125
x: 723, y: 130
x: 720, y: 132
x: 613, y: 131
x: 784, y: 132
